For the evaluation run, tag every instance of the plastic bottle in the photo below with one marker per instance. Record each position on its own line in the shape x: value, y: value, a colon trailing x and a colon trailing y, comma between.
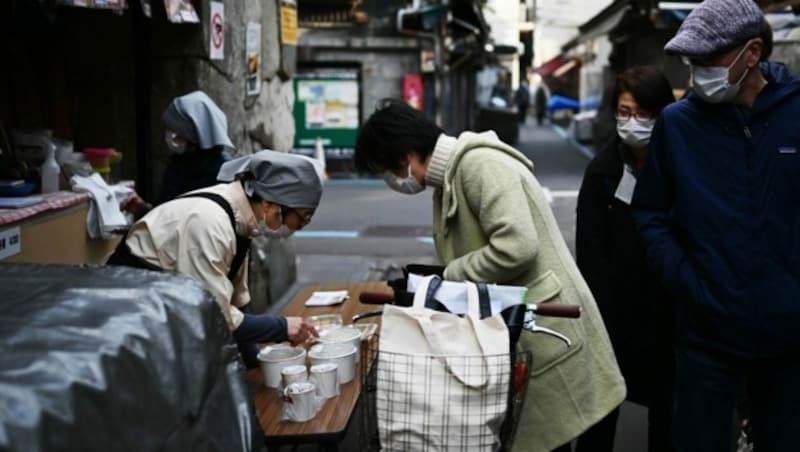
x: 50, y: 170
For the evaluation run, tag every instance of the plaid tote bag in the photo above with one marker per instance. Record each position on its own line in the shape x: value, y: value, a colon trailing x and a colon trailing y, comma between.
x: 442, y: 379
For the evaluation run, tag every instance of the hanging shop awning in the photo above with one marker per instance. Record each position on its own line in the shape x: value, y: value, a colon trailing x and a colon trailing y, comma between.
x: 557, y: 67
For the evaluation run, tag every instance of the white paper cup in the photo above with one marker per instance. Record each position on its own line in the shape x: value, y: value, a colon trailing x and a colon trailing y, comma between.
x: 343, y: 354
x: 325, y: 376
x: 293, y: 374
x: 299, y: 401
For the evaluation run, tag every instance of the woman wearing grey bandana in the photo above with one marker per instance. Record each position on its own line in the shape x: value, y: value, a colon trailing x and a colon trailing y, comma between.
x: 205, y: 234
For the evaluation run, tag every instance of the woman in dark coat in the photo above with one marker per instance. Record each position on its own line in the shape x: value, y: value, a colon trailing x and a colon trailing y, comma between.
x: 611, y: 256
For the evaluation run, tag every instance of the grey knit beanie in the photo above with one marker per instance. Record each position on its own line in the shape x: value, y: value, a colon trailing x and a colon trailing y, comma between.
x: 716, y: 25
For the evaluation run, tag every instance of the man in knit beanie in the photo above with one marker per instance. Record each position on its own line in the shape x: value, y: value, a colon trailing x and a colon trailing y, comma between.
x: 718, y: 209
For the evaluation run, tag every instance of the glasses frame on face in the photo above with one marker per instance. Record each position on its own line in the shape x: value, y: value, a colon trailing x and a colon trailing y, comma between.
x: 304, y: 219
x: 625, y: 115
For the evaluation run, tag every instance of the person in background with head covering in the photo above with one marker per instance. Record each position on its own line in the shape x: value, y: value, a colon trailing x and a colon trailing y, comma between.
x: 205, y: 234
x: 718, y: 208
x: 196, y: 133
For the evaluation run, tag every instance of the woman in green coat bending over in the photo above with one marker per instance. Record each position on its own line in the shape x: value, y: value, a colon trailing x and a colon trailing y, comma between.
x: 492, y: 223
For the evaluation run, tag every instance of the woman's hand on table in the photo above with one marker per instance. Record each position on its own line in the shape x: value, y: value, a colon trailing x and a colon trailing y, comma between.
x: 298, y: 330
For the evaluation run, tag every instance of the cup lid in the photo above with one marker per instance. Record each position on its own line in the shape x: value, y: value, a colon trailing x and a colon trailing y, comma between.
x: 280, y: 353
x: 324, y: 367
x: 293, y: 370
x: 332, y: 350
x: 300, y: 387
x: 339, y: 334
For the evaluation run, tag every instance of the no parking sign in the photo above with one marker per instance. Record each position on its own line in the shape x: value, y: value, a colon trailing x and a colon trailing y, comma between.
x: 217, y: 31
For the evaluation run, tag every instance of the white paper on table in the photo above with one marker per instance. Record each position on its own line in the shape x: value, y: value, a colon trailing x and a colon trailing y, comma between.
x: 453, y: 295
x: 327, y: 297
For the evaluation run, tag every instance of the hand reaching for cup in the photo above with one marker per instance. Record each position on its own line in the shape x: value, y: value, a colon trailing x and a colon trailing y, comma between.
x: 299, y: 330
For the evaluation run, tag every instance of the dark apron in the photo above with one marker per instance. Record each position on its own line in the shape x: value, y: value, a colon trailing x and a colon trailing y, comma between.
x: 122, y: 256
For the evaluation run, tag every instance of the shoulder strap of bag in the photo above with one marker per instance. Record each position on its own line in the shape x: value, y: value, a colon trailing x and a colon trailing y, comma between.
x: 484, y: 304
x: 242, y: 243
x: 483, y: 300
x: 454, y: 363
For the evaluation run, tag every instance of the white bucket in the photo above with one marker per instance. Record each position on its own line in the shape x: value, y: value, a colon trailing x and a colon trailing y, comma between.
x: 274, y: 358
x: 343, y: 354
x: 342, y: 334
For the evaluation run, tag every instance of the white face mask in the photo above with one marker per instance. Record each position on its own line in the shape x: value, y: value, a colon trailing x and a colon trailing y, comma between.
x: 263, y: 229
x: 175, y: 142
x: 634, y: 132
x: 712, y: 83
x: 407, y: 185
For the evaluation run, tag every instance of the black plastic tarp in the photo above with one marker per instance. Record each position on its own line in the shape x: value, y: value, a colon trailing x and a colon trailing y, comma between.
x: 117, y: 359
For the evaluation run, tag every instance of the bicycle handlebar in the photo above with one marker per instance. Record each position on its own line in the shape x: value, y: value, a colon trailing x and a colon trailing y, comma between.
x: 376, y: 298
x: 571, y: 311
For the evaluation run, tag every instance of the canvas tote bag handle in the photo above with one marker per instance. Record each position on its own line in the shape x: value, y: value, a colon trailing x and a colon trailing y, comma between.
x: 467, y: 373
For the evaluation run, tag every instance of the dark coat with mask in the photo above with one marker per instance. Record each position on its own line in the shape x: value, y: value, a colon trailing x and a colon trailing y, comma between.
x: 611, y: 257
x: 718, y: 205
x: 191, y: 170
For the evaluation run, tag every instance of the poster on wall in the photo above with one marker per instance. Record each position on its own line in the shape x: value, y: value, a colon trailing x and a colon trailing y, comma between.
x: 412, y: 90
x: 116, y: 5
x: 329, y: 104
x: 181, y: 12
x: 253, y: 49
x: 216, y: 35
x: 427, y: 63
x: 289, y: 22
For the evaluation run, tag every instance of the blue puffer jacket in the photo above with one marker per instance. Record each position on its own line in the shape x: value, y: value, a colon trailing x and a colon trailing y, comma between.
x: 718, y: 205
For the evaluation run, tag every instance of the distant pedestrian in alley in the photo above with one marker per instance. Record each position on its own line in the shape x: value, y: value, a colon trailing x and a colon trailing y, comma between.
x: 718, y: 206
x: 492, y: 223
x: 540, y: 104
x: 522, y: 98
x: 611, y: 256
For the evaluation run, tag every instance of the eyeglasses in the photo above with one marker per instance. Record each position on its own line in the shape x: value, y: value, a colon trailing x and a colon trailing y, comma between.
x: 304, y: 218
x: 625, y: 115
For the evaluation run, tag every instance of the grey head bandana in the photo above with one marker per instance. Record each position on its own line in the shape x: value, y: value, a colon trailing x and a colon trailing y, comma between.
x: 197, y: 118
x: 285, y: 179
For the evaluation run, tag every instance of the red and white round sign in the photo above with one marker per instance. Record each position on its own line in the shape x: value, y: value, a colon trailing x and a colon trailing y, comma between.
x: 217, y: 31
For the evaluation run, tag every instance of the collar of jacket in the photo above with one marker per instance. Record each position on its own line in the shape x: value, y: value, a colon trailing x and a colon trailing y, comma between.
x: 466, y: 142
x: 781, y: 86
x: 242, y: 210
x: 442, y: 153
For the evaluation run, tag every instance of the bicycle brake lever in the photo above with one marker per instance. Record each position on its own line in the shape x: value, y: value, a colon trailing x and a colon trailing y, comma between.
x: 530, y: 325
x: 534, y: 328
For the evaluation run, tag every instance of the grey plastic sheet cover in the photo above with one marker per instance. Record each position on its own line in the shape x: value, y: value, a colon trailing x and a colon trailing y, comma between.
x: 117, y: 359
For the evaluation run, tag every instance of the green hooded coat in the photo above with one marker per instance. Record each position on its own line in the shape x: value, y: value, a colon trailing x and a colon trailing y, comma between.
x: 493, y: 223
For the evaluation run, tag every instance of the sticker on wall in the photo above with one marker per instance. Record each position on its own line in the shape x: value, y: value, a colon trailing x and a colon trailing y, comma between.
x: 181, y: 12
x: 216, y: 41
x: 146, y: 8
x: 253, y: 46
x: 115, y: 5
x: 289, y: 22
